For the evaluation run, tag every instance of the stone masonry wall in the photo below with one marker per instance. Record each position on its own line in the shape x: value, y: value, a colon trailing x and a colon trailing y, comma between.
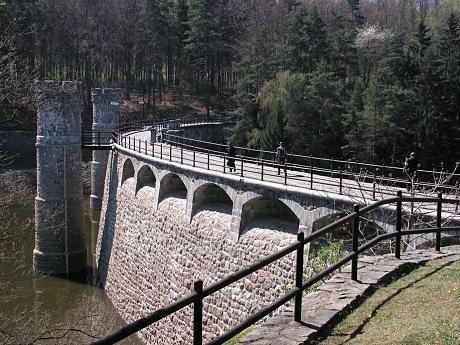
x: 149, y: 258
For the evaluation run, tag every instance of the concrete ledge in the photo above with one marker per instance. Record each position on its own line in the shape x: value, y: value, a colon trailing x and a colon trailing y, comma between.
x: 337, y: 295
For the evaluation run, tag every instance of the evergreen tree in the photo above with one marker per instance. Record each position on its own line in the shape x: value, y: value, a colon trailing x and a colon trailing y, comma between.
x: 308, y: 40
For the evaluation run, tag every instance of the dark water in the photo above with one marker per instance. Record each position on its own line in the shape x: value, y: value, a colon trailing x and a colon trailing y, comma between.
x: 38, y: 309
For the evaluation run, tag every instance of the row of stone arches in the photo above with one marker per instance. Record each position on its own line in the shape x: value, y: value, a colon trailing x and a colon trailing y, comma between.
x: 202, y: 195
x: 246, y: 207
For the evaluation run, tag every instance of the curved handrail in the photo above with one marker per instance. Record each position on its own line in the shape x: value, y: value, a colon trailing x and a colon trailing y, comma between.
x: 199, y: 294
x: 326, y: 177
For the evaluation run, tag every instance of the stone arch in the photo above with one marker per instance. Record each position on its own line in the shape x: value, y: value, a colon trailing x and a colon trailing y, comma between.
x: 128, y: 170
x: 263, y: 207
x: 324, y: 216
x: 210, y: 193
x: 145, y: 178
x: 172, y: 184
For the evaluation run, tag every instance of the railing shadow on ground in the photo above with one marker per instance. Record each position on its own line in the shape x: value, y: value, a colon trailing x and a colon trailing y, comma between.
x: 201, y: 292
x: 363, y: 324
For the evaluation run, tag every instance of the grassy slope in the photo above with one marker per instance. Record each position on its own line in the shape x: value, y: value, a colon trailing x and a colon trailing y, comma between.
x: 422, y: 307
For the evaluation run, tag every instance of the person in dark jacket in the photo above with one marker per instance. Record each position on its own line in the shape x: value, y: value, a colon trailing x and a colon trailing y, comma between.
x: 411, y: 165
x: 231, y: 154
x: 281, y: 157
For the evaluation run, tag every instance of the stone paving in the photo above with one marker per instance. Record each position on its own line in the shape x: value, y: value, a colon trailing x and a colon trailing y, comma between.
x: 337, y: 295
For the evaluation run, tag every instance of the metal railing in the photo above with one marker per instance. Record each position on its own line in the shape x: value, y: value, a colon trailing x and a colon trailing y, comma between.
x: 369, y: 173
x: 308, y: 171
x: 252, y: 164
x: 200, y: 292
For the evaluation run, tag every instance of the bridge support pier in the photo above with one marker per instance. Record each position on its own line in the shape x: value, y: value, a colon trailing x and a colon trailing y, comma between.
x: 59, y: 238
x: 106, y: 117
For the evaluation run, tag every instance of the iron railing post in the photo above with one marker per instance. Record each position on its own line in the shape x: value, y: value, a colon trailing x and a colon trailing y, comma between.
x: 285, y: 173
x: 439, y: 223
x: 242, y: 167
x: 398, y: 225
x: 311, y: 177
x: 99, y: 138
x: 456, y: 196
x: 146, y: 147
x: 262, y: 171
x: 354, y: 261
x: 224, y: 163
x: 198, y: 314
x: 181, y: 155
x: 299, y: 277
x: 341, y: 181
x: 373, y: 188
x: 161, y: 151
x: 170, y: 152
x: 208, y: 159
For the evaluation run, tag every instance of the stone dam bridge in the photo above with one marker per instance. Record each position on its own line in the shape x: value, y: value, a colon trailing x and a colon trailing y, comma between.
x: 171, y: 212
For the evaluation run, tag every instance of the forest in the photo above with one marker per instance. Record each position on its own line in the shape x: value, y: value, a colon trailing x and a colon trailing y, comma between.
x: 370, y: 80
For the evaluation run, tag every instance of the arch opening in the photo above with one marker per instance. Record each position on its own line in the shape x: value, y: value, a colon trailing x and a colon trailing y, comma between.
x: 172, y: 185
x: 128, y: 170
x: 145, y: 178
x: 268, y: 213
x: 211, y: 197
x: 343, y: 234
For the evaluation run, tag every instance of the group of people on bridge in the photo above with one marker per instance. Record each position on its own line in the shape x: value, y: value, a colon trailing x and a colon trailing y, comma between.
x: 411, y: 163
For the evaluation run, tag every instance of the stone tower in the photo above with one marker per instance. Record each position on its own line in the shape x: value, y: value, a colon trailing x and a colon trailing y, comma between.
x: 106, y: 117
x: 59, y: 236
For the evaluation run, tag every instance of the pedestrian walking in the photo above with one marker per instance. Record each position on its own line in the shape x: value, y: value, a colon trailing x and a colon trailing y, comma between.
x: 281, y: 158
x: 411, y: 165
x: 231, y: 154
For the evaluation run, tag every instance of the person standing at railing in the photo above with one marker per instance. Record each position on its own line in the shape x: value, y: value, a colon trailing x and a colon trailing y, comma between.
x: 281, y: 157
x: 411, y: 165
x: 231, y: 154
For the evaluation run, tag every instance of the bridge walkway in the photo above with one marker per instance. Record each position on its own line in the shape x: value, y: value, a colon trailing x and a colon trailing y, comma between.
x: 358, y: 190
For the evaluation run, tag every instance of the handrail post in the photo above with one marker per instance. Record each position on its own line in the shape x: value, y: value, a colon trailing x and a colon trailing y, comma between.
x: 354, y: 261
x: 285, y: 173
x: 181, y: 155
x: 438, y: 223
x: 456, y: 196
x: 398, y: 225
x: 146, y: 147
x: 299, y: 277
x: 99, y: 138
x: 170, y: 152
x: 198, y: 314
x: 208, y: 159
x: 373, y: 188
x: 224, y: 163
x: 242, y: 167
x: 341, y: 181
x: 161, y: 151
x: 262, y: 171
x: 311, y: 177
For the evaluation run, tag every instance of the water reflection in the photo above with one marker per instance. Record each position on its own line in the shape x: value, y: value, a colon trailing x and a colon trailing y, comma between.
x: 38, y: 309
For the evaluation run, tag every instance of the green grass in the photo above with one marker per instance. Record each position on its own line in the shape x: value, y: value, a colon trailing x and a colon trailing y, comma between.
x: 237, y: 338
x: 422, y: 307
